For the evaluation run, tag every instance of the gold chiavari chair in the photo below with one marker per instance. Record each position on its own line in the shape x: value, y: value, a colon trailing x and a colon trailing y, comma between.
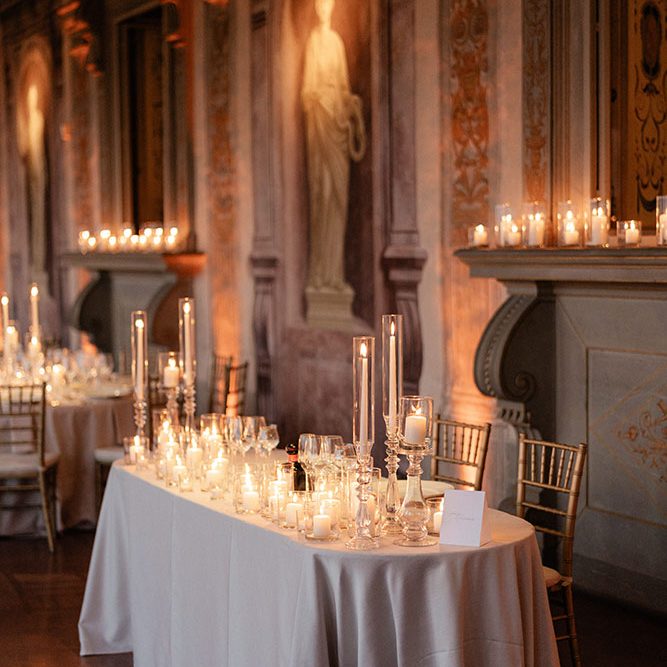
x: 219, y: 383
x: 458, y: 447
x: 235, y: 404
x: 549, y: 479
x: 25, y: 467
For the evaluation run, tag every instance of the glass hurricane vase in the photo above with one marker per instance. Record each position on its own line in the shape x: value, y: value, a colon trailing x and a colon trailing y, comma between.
x: 415, y: 422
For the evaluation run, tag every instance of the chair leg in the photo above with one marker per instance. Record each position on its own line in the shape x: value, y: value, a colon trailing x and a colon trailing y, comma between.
x: 98, y: 487
x: 54, y: 499
x: 571, y: 626
x: 44, y: 492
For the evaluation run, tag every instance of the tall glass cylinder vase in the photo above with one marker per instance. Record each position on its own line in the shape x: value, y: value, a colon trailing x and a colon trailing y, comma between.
x: 139, y: 339
x: 188, y: 357
x: 363, y: 433
x: 392, y: 390
x: 414, y: 434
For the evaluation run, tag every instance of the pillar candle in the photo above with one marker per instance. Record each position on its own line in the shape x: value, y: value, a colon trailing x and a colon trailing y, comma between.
x: 415, y: 430
x: 171, y: 375
x: 321, y: 525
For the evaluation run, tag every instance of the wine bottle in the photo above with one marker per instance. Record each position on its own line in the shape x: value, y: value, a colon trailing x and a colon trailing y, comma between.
x: 299, y: 473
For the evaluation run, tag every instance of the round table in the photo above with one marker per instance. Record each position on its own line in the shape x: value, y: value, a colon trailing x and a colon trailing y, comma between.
x: 179, y: 579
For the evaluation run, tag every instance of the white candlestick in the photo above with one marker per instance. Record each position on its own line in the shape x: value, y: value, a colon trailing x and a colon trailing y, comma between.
x: 437, y: 522
x: 331, y: 506
x: 599, y: 233
x: 5, y: 310
x: 631, y: 235
x: 170, y: 375
x: 663, y: 228
x: 34, y: 347
x: 480, y: 236
x: 293, y: 514
x: 34, y: 307
x: 139, y: 370
x: 392, y: 378
x: 363, y: 401
x: 250, y: 500
x: 535, y: 231
x: 321, y: 525
x: 415, y: 430
x: 187, y: 344
x: 571, y: 234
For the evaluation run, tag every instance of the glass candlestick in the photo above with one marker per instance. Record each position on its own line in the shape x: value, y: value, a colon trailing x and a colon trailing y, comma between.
x: 139, y: 340
x: 169, y: 374
x: 363, y: 430
x: 392, y: 390
x: 597, y: 223
x: 414, y: 434
x: 188, y: 359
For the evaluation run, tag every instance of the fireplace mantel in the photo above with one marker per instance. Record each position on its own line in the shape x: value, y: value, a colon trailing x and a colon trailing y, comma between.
x: 578, y: 353
x: 590, y: 265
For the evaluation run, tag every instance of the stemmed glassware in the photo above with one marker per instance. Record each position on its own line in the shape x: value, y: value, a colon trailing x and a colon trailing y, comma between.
x: 234, y: 433
x: 268, y: 438
x: 251, y: 426
x: 414, y: 435
x: 392, y: 390
x: 309, y: 450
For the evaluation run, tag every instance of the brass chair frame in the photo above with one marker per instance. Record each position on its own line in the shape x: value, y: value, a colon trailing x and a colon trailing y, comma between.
x: 235, y: 403
x: 220, y: 372
x: 22, y: 418
x: 459, y: 445
x: 553, y: 471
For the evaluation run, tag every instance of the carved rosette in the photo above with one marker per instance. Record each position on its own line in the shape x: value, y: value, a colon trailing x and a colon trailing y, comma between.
x: 468, y: 26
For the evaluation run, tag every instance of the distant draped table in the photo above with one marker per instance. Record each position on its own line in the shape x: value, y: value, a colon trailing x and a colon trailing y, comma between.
x: 180, y: 580
x: 75, y: 429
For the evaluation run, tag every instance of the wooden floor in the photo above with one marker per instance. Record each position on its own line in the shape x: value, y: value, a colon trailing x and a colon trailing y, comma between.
x: 40, y: 599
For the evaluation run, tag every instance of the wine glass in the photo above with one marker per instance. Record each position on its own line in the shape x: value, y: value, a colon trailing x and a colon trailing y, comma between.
x: 251, y: 426
x: 268, y: 438
x: 234, y: 433
x: 326, y: 462
x: 308, y: 454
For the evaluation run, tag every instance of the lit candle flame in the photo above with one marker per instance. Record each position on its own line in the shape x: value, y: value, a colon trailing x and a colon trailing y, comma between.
x: 363, y: 350
x: 139, y: 324
x: 392, y: 328
x: 34, y: 290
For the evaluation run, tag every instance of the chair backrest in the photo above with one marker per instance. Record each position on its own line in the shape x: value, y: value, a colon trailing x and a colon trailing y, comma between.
x: 548, y: 483
x: 235, y: 404
x: 219, y: 383
x: 458, y: 447
x: 22, y: 418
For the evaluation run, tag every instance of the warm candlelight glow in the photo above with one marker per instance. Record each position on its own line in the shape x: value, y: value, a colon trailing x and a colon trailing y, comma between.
x: 34, y: 290
x: 362, y: 350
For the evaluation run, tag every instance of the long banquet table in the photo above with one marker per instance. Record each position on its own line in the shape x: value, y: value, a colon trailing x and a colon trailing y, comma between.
x: 181, y: 580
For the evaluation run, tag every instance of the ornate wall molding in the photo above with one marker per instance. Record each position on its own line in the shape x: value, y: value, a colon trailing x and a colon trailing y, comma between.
x: 78, y: 20
x: 469, y: 30
x: 536, y: 98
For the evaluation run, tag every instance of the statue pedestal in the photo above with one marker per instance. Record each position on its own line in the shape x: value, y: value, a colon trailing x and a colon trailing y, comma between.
x: 330, y: 309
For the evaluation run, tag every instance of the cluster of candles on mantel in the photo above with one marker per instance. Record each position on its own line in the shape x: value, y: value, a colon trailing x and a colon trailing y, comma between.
x: 150, y: 238
x: 591, y: 228
x: 343, y: 490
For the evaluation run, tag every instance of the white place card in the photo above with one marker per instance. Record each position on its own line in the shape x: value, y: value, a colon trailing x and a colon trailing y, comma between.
x: 465, y: 519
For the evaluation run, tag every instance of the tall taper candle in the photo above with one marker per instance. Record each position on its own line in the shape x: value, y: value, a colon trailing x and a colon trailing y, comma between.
x: 34, y: 308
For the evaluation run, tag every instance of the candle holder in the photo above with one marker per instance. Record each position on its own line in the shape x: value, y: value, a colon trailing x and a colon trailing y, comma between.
x: 169, y: 373
x: 661, y: 220
x: 568, y: 225
x: 188, y: 358
x: 478, y: 236
x: 392, y: 390
x: 507, y: 231
x: 363, y: 433
x: 597, y: 224
x: 414, y: 431
x: 139, y: 342
x: 533, y: 225
x: 629, y: 233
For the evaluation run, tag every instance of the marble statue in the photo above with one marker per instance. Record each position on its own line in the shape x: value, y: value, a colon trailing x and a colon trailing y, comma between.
x: 32, y: 150
x: 335, y: 134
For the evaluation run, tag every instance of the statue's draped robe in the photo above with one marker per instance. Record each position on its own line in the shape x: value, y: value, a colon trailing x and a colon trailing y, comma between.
x: 327, y: 103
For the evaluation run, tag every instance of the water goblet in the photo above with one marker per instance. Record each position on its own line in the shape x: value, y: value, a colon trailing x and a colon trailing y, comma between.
x: 309, y: 451
x: 268, y: 438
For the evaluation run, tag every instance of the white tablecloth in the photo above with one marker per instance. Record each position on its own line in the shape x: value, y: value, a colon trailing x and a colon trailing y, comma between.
x: 182, y: 581
x: 74, y: 430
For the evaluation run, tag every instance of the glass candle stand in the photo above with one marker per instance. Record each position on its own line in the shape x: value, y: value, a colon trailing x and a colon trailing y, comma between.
x: 597, y: 224
x: 415, y: 423
x: 363, y: 429
x: 392, y: 389
x: 139, y: 341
